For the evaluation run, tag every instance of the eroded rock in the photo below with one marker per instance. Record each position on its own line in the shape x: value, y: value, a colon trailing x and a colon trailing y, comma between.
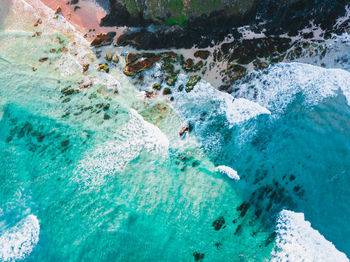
x: 103, y: 39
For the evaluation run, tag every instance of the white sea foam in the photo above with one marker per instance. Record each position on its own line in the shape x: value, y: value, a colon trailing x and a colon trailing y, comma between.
x: 18, y: 242
x: 279, y: 87
x: 297, y: 241
x: 205, y: 96
x: 231, y: 173
x: 112, y: 156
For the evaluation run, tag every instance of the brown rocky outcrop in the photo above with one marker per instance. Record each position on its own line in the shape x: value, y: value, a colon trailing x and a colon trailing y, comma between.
x: 103, y: 39
x: 146, y: 63
x: 202, y: 54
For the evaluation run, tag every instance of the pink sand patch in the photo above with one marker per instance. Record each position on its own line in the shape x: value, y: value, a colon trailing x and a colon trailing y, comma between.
x: 86, y: 17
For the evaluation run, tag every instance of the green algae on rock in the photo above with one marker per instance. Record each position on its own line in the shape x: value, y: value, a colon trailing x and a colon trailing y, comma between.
x: 103, y: 67
x: 192, y: 82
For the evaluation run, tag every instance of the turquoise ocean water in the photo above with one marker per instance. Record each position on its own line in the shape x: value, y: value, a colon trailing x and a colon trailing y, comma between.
x: 103, y: 177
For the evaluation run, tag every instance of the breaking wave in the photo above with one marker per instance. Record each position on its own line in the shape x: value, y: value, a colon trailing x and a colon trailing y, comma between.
x: 18, y: 241
x: 297, y: 241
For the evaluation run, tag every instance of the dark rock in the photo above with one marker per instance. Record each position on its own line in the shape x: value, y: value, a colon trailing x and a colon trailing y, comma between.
x: 258, y: 213
x: 217, y: 244
x: 172, y: 56
x: 270, y: 239
x: 278, y: 17
x: 43, y: 59
x: 243, y: 208
x: 296, y: 188
x: 166, y: 91
x: 38, y: 22
x: 40, y: 138
x: 171, y: 81
x: 198, y: 256
x: 168, y: 67
x: 218, y: 223
x: 187, y: 66
x: 202, y: 54
x: 106, y: 107
x: 238, y: 229
x: 183, y: 130
x: 197, y: 66
x: 120, y: 16
x: 36, y: 34
x: 65, y: 143
x: 195, y: 163
x: 68, y: 91
x: 73, y: 2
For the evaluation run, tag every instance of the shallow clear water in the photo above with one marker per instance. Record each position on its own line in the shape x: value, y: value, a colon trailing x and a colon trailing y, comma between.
x: 127, y: 188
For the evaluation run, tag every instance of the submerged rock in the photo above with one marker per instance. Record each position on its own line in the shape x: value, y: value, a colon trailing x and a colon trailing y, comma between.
x: 198, y: 256
x: 243, y: 208
x: 218, y: 223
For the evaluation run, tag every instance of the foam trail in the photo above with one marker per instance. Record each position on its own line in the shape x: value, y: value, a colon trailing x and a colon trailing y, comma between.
x: 112, y: 156
x: 231, y: 173
x: 297, y: 241
x: 19, y: 241
x: 205, y: 96
x: 279, y: 87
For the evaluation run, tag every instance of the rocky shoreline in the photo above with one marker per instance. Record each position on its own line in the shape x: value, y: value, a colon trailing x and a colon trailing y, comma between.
x: 274, y: 17
x: 220, y: 62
